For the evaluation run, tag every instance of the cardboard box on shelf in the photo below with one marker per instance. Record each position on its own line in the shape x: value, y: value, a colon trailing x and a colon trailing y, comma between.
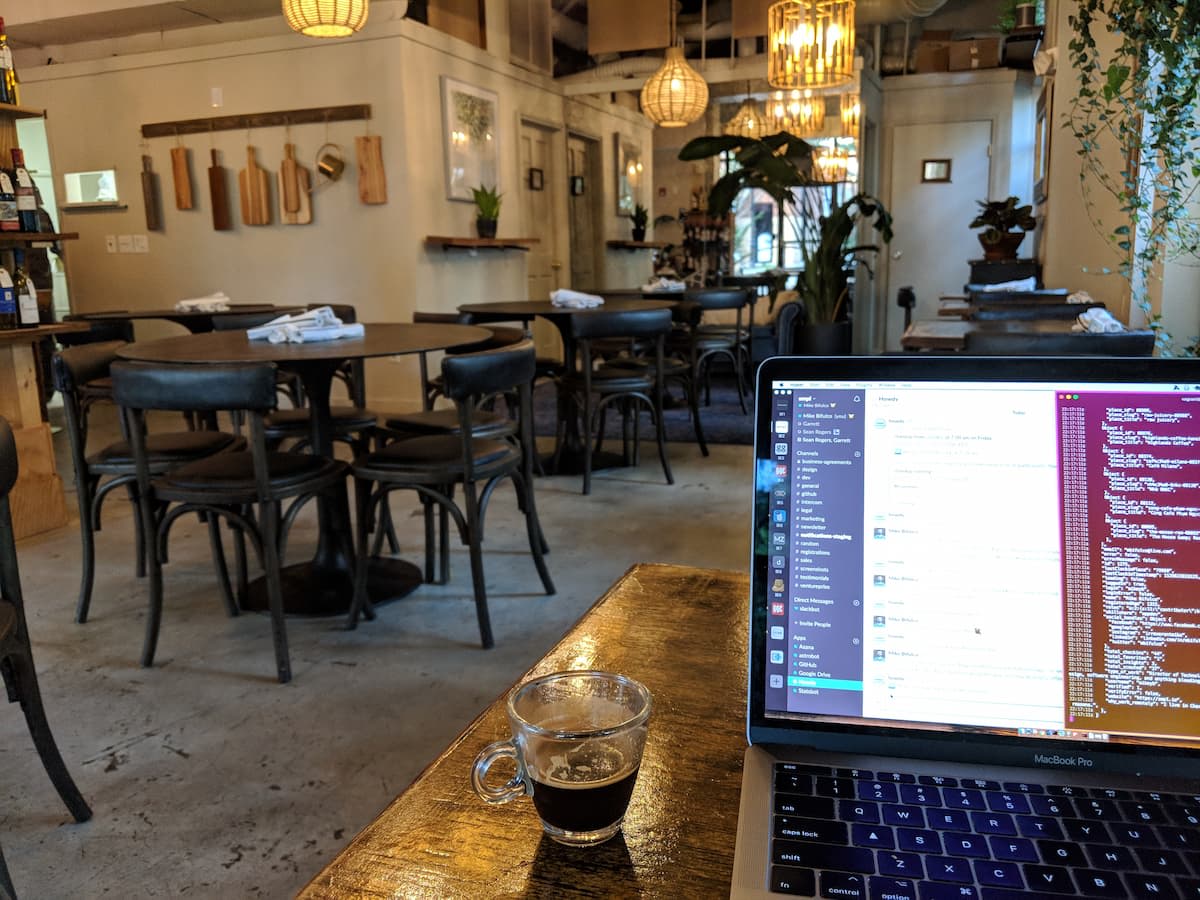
x: 980, y: 53
x: 931, y: 56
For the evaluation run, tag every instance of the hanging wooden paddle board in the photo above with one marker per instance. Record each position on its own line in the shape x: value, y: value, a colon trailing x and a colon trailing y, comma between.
x: 150, y: 196
x: 303, y: 213
x: 181, y: 172
x: 255, y: 192
x: 372, y: 182
x: 218, y: 192
x: 289, y: 187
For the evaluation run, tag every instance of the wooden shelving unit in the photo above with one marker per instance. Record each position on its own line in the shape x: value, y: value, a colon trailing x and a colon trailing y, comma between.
x: 12, y: 111
x: 465, y: 243
x: 29, y: 237
x: 636, y: 245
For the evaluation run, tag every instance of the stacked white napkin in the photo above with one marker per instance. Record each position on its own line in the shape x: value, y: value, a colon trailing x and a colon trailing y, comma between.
x: 318, y: 324
x: 1080, y: 297
x: 664, y: 285
x: 1098, y: 320
x: 217, y: 302
x: 575, y: 299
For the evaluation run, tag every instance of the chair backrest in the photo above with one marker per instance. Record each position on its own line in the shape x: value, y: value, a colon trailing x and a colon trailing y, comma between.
x: 73, y: 368
x: 242, y: 386
x: 1028, y: 312
x: 490, y: 371
x: 99, y: 331
x: 1123, y: 343
x: 791, y: 316
x: 236, y: 321
x: 343, y: 311
x: 603, y: 323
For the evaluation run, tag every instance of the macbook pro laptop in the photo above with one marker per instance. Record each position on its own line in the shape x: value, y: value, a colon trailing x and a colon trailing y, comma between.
x: 974, y: 666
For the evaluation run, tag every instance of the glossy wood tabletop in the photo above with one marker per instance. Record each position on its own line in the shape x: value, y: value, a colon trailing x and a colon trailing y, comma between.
x: 682, y: 632
x: 951, y: 334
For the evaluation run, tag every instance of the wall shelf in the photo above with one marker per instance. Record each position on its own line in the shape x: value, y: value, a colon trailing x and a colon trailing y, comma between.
x: 636, y: 245
x: 474, y: 244
x: 21, y: 112
x: 29, y: 237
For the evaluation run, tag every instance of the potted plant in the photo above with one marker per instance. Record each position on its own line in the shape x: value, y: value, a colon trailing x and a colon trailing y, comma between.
x: 640, y: 218
x: 487, y: 207
x: 1004, y: 225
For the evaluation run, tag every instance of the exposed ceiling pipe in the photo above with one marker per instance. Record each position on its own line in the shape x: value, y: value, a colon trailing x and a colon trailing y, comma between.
x: 567, y: 31
x: 694, y: 31
x: 629, y: 67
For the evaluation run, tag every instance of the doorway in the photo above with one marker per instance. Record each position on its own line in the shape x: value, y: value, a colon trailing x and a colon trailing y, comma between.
x: 541, y: 187
x: 933, y: 243
x: 583, y: 182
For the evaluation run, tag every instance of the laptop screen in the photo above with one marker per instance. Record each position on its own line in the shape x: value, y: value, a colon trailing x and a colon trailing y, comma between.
x: 966, y: 550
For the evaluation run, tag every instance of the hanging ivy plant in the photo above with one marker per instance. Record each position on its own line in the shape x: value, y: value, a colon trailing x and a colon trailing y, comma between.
x: 1143, y: 96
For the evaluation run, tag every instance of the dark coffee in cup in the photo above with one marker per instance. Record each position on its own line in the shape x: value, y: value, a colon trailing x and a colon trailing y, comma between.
x: 587, y: 806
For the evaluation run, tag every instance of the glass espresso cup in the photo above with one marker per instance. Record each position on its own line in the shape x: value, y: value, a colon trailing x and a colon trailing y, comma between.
x: 577, y: 742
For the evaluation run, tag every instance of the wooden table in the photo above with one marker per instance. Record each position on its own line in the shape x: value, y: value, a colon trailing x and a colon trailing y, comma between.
x: 37, y: 499
x: 438, y: 839
x: 951, y: 334
x: 195, y: 321
x: 570, y: 460
x: 324, y: 585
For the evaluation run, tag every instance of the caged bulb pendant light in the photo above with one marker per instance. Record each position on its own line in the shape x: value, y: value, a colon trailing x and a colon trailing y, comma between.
x: 326, y: 18
x: 810, y: 43
x: 808, y: 114
x: 850, y: 106
x: 676, y: 94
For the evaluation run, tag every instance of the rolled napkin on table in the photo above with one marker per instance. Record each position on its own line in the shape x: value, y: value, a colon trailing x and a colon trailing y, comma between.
x: 575, y: 299
x: 1080, y: 297
x: 318, y: 324
x: 664, y: 285
x: 217, y: 302
x: 1099, y: 321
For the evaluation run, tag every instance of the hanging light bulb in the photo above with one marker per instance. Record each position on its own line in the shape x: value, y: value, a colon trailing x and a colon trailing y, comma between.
x: 808, y: 114
x: 326, y: 18
x: 851, y: 110
x: 675, y: 95
x: 748, y: 122
x: 810, y: 43
x: 831, y: 164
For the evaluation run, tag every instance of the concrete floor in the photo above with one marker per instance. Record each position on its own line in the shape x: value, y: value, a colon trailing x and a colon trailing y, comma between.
x: 209, y: 779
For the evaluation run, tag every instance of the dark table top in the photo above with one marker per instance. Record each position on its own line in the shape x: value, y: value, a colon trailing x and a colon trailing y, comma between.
x: 234, y: 346
x: 438, y: 839
x: 529, y: 309
x: 121, y: 315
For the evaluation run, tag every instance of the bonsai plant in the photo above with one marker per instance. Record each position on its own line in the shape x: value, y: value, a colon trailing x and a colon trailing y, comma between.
x: 487, y: 206
x: 1004, y: 225
x: 639, y: 219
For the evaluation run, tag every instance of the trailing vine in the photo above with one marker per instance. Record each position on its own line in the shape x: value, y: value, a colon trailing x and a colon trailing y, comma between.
x: 1144, y: 97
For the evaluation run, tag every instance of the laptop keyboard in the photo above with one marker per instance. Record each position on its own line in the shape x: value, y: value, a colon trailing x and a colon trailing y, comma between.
x: 850, y: 833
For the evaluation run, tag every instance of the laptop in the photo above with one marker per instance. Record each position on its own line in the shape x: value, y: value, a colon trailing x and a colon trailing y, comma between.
x: 974, y: 666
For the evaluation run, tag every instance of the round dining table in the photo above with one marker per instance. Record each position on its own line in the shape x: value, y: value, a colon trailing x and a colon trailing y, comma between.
x: 571, y: 457
x: 196, y: 321
x: 323, y: 585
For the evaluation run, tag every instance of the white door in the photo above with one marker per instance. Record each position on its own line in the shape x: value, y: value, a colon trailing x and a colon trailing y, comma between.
x: 933, y: 244
x: 582, y: 167
x: 539, y: 204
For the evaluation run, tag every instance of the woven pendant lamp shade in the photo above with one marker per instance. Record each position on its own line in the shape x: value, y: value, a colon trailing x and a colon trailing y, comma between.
x: 851, y: 109
x: 808, y: 115
x: 831, y: 165
x: 326, y: 18
x: 810, y: 43
x: 748, y: 122
x: 675, y: 95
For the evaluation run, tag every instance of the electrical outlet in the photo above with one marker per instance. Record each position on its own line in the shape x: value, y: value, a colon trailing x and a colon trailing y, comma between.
x: 124, y: 243
x: 141, y: 243
x: 110, y: 243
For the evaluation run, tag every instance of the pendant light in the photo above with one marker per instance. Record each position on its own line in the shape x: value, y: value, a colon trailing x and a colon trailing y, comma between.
x: 808, y: 115
x: 675, y: 95
x: 831, y: 164
x: 850, y: 105
x: 810, y: 43
x: 749, y: 121
x: 326, y: 18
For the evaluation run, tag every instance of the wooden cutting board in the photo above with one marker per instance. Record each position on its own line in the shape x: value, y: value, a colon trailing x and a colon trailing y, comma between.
x: 150, y: 196
x: 218, y: 192
x: 303, y: 213
x: 255, y: 192
x: 289, y: 187
x: 372, y: 182
x: 181, y: 172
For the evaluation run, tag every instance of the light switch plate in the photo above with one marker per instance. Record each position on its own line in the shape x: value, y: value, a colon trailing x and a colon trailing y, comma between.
x: 124, y: 243
x: 141, y: 243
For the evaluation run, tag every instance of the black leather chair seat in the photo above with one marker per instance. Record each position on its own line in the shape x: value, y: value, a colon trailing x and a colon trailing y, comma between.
x: 235, y: 472
x: 441, y: 449
x: 445, y: 421
x: 616, y: 380
x: 343, y: 417
x: 168, y: 448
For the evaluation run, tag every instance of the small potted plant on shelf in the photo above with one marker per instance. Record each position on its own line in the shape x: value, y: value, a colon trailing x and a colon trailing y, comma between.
x: 1004, y: 224
x: 640, y: 218
x: 487, y: 206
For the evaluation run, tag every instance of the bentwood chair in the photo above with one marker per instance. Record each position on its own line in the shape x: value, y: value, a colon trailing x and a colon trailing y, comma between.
x: 111, y: 467
x: 706, y: 344
x: 593, y: 389
x: 434, y: 465
x: 246, y: 488
x: 16, y: 653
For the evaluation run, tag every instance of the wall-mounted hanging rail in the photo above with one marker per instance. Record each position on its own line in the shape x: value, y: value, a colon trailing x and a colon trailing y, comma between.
x: 319, y: 114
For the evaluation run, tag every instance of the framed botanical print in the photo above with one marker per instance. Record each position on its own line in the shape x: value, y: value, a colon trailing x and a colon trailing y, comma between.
x: 628, y: 156
x: 470, y: 138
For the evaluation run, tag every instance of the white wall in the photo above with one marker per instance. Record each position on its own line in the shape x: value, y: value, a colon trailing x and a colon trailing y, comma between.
x: 371, y: 256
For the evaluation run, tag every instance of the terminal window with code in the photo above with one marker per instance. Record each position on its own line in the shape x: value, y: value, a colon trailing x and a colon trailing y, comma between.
x: 1018, y: 558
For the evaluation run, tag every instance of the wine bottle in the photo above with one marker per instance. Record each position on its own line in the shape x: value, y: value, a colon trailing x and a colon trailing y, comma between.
x: 8, y: 71
x: 26, y: 294
x: 26, y: 197
x: 8, y: 301
x: 9, y: 221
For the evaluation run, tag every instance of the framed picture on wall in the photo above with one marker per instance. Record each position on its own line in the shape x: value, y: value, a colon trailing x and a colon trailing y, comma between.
x: 470, y: 138
x: 1041, y: 142
x: 628, y: 156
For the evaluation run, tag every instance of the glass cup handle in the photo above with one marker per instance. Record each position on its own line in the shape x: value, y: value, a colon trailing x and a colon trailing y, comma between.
x: 516, y: 785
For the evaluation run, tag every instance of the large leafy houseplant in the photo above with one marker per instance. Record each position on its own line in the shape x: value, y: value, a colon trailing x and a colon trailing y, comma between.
x: 824, y: 286
x: 775, y: 164
x: 1142, y: 98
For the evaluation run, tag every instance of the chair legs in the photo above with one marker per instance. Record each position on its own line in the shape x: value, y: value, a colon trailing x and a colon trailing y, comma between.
x: 85, y: 492
x: 21, y: 681
x: 271, y: 563
x: 7, y: 891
